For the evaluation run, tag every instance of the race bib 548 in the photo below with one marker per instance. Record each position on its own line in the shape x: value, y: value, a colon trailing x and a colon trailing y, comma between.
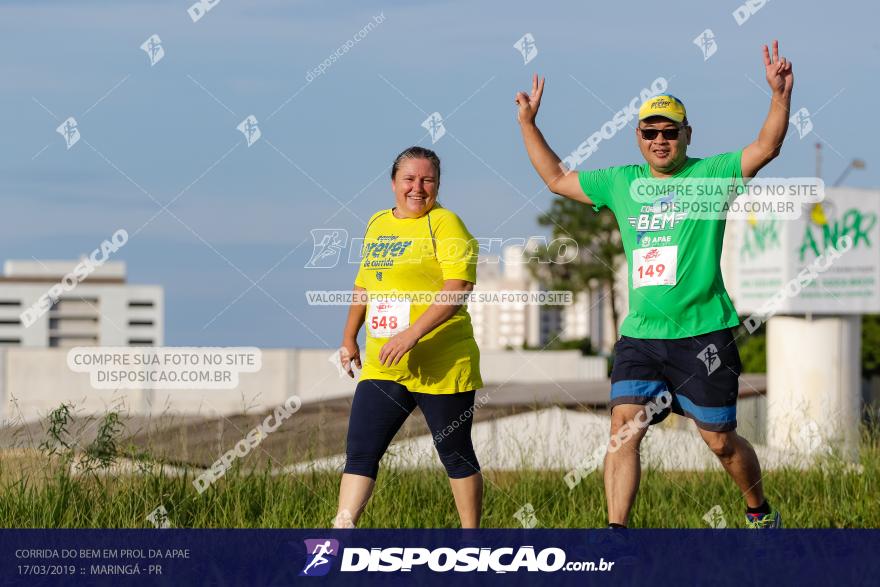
x: 388, y: 318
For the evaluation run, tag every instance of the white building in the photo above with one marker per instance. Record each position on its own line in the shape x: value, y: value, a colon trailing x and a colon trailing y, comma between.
x: 498, y: 326
x: 507, y: 325
x: 101, y: 310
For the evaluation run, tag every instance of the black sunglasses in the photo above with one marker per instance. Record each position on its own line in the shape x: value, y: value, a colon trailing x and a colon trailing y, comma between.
x: 670, y: 134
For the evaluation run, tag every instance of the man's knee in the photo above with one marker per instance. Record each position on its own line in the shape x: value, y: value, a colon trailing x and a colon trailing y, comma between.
x: 628, y: 416
x: 723, y: 444
x: 628, y: 426
x: 621, y: 415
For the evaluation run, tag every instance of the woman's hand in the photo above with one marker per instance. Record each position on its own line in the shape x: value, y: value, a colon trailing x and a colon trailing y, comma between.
x: 350, y: 353
x: 397, y: 346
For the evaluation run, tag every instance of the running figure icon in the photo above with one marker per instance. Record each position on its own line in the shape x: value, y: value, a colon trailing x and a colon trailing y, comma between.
x: 319, y: 559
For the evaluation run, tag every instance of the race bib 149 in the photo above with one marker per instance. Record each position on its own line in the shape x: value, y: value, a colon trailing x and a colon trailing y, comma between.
x: 654, y: 266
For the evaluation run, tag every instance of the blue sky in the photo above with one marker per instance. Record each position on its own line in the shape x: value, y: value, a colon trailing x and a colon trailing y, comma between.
x: 243, y: 214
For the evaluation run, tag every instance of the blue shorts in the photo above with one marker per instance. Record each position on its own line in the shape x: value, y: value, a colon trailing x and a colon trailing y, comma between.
x: 701, y: 374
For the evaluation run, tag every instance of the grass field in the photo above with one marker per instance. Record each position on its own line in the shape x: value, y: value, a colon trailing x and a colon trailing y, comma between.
x: 38, y: 490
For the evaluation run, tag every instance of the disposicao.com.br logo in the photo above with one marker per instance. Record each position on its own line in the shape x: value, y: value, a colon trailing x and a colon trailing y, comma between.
x: 441, y: 560
x: 320, y: 553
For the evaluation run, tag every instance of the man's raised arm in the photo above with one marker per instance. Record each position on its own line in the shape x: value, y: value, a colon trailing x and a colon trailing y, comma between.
x: 769, y: 142
x: 544, y: 160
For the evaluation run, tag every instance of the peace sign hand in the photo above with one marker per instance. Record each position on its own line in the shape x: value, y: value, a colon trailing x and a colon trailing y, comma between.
x: 529, y: 104
x: 779, y: 75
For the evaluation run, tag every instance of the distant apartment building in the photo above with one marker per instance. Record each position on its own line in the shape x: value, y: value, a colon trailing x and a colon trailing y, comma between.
x: 515, y: 324
x: 498, y: 326
x: 101, y: 310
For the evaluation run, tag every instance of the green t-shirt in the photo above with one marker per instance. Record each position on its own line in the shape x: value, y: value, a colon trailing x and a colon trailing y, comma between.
x: 672, y: 231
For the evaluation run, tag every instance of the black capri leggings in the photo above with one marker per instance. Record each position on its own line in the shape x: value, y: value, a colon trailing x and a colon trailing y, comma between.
x: 378, y: 411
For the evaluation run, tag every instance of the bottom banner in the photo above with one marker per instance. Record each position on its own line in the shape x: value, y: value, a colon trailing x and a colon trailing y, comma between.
x: 511, y: 557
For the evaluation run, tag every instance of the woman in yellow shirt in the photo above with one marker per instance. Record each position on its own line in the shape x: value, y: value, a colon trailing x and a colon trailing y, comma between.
x: 420, y: 351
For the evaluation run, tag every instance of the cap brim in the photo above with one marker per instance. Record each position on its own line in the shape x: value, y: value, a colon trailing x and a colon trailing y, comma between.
x: 661, y: 116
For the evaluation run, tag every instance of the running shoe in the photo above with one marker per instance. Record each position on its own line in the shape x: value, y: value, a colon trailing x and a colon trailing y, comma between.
x: 771, y: 520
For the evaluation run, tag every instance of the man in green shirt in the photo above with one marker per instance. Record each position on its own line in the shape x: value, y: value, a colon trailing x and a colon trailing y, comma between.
x: 676, y: 351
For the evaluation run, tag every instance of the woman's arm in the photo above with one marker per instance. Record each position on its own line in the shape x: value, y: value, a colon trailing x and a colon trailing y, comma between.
x: 349, y: 352
x: 400, y: 344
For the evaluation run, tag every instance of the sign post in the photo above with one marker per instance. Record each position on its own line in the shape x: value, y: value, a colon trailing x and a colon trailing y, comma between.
x: 810, y: 279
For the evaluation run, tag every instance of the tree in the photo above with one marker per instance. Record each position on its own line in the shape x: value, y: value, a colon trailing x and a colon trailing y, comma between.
x: 599, y: 250
x: 870, y: 345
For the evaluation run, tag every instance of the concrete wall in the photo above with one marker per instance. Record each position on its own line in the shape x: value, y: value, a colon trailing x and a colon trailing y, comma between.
x: 35, y: 381
x: 529, y: 366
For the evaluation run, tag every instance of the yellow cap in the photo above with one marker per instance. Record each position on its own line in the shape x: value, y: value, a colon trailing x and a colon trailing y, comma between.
x: 665, y: 105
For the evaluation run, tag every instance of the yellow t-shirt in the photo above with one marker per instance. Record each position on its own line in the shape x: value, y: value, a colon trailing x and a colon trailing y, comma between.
x: 417, y: 255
